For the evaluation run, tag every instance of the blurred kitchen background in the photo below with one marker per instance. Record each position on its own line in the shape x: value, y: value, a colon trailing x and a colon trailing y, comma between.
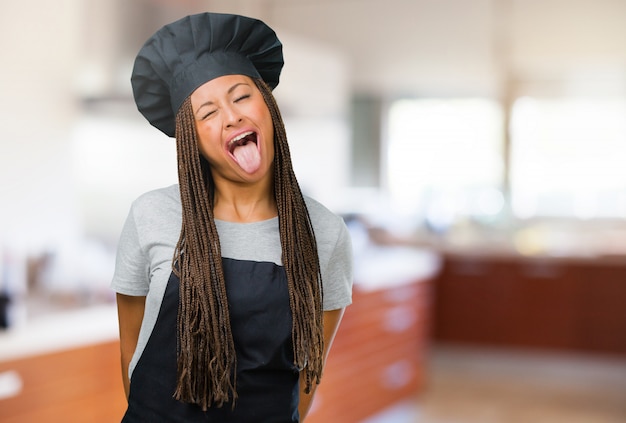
x: 476, y: 148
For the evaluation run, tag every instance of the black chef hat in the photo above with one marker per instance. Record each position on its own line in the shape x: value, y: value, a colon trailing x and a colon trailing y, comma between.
x: 185, y: 54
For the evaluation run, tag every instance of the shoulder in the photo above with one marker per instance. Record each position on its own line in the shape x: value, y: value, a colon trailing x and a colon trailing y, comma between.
x: 157, y: 202
x: 335, y: 254
x: 158, y: 211
x: 329, y: 227
x: 167, y: 196
x: 321, y: 216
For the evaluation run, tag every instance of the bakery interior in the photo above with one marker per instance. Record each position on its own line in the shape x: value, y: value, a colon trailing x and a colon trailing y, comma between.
x: 475, y: 148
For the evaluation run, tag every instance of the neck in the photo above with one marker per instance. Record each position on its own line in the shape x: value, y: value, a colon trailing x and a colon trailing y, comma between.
x: 244, y: 203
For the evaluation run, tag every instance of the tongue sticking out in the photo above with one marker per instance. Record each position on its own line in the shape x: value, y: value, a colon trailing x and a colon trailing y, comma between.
x: 248, y: 157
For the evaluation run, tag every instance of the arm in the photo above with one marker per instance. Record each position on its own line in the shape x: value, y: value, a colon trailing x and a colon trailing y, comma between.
x: 332, y: 319
x: 130, y: 314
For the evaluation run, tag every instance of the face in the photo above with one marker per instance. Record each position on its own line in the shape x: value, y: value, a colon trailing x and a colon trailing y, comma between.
x: 235, y: 130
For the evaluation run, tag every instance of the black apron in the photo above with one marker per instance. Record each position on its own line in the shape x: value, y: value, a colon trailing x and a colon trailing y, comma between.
x: 261, y: 322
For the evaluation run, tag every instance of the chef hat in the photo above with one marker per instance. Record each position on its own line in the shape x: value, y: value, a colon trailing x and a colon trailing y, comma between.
x: 185, y: 54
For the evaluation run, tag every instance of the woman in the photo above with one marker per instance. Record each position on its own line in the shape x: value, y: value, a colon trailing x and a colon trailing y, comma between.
x: 232, y: 284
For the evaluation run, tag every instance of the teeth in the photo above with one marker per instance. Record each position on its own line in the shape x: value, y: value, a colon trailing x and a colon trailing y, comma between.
x: 239, y: 137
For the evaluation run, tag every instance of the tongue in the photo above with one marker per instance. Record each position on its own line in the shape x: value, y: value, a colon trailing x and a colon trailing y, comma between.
x: 248, y: 157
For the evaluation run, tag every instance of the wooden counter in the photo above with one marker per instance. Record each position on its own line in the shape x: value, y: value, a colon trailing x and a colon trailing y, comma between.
x: 80, y: 385
x: 62, y: 368
x: 378, y: 356
x: 565, y: 304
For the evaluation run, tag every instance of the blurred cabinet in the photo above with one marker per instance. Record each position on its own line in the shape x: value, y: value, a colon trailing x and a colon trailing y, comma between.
x: 378, y: 356
x: 557, y: 303
x: 81, y: 385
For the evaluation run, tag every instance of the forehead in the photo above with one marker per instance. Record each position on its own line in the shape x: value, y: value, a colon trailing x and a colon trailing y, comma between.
x: 221, y: 85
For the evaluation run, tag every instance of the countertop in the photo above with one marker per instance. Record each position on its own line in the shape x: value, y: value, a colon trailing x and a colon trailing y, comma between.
x: 59, y: 331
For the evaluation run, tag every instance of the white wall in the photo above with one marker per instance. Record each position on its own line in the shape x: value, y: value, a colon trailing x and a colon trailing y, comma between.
x: 38, y: 47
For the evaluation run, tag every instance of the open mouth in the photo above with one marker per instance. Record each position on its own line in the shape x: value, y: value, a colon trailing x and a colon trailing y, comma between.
x: 241, y: 140
x: 243, y: 148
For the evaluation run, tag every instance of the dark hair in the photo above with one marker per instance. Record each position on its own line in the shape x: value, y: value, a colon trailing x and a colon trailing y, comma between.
x: 206, y: 353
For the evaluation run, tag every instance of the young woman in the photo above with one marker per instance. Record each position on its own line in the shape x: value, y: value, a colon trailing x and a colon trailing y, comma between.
x: 230, y: 285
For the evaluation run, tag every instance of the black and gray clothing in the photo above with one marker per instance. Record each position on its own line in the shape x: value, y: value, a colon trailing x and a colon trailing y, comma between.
x: 267, y: 382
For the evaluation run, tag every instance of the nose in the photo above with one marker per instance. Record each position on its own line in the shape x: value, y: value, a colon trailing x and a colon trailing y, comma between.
x: 232, y: 117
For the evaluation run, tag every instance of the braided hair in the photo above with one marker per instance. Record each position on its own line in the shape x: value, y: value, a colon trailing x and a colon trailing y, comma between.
x: 206, y: 358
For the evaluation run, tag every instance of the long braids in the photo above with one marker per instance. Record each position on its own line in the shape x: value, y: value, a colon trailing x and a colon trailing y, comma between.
x: 206, y: 353
x: 300, y: 258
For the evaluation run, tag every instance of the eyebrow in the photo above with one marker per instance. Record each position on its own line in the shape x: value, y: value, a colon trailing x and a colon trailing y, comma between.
x: 230, y: 90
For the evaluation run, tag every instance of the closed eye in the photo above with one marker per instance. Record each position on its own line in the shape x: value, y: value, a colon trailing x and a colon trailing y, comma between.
x: 243, y: 97
x: 208, y: 114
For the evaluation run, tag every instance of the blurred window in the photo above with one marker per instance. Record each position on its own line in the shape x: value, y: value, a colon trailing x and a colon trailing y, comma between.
x: 444, y: 159
x: 568, y: 158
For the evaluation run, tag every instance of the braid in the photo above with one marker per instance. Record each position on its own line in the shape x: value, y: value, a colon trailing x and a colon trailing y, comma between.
x: 206, y: 352
x: 299, y: 250
x: 205, y: 348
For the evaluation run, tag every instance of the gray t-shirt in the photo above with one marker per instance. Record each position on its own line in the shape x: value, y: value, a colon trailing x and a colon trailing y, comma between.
x: 152, y: 229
